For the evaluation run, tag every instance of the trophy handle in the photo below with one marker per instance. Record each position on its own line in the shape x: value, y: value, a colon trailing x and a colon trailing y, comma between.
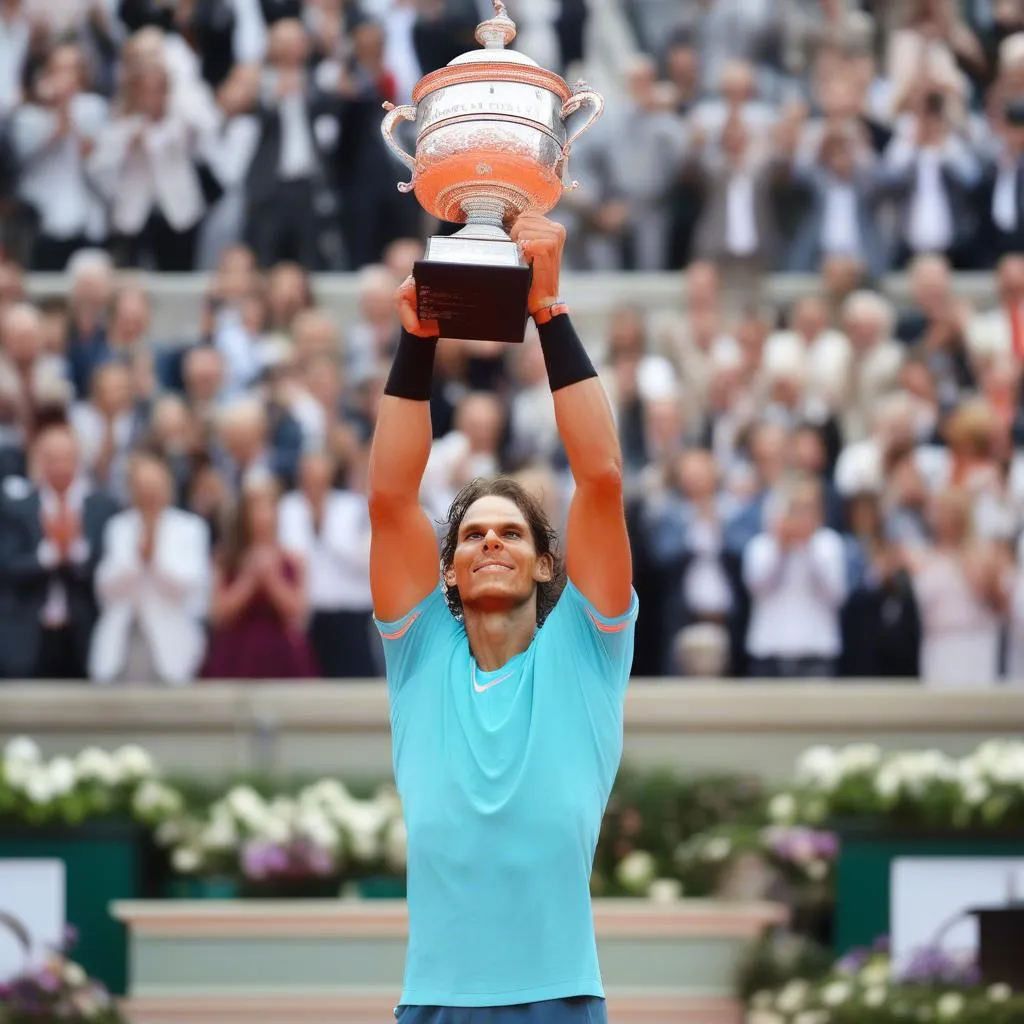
x: 581, y: 97
x: 396, y: 114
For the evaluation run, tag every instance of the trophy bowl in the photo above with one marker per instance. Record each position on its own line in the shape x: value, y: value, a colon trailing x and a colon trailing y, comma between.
x: 491, y: 142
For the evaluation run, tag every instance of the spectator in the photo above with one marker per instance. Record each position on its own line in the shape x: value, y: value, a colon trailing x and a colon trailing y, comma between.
x: 328, y: 528
x: 288, y: 167
x: 53, y: 139
x: 145, y: 165
x: 259, y: 605
x: 797, y: 580
x: 107, y: 428
x: 51, y: 542
x: 961, y: 589
x: 152, y: 583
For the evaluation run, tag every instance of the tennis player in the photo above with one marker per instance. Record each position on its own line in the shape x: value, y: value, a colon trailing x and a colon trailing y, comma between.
x: 506, y: 682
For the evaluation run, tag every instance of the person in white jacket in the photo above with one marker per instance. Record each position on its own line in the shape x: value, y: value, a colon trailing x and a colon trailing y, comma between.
x: 152, y: 587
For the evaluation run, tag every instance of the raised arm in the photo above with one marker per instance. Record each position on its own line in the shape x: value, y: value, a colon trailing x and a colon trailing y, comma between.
x: 597, y: 555
x: 404, y: 562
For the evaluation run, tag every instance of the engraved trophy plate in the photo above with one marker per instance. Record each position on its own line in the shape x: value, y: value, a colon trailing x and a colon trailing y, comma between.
x: 491, y: 142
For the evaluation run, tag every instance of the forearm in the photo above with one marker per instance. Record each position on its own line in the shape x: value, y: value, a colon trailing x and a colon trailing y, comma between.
x: 582, y: 411
x: 403, y: 435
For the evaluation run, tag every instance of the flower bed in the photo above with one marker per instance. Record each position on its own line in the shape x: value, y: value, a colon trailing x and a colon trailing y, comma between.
x: 57, y: 990
x: 861, y: 989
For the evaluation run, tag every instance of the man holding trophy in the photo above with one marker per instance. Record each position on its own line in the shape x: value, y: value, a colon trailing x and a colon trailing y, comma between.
x: 506, y: 676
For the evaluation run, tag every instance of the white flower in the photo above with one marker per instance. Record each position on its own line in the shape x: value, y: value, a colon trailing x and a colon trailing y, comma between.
x: 186, y: 860
x: 819, y: 767
x: 74, y: 975
x: 635, y: 871
x: 975, y: 792
x: 276, y: 827
x: 875, y: 973
x: 793, y: 996
x: 717, y: 849
x: 314, y: 825
x: 248, y: 807
x: 395, y: 844
x: 816, y: 870
x: 888, y: 782
x: 782, y: 809
x: 762, y: 1000
x: 134, y: 762
x: 169, y: 832
x: 812, y: 1017
x: 859, y: 757
x: 38, y: 787
x: 950, y: 1005
x: 363, y: 824
x: 219, y: 834
x: 875, y: 996
x: 999, y: 992
x: 665, y: 890
x: 765, y: 1017
x: 62, y: 775
x: 836, y: 993
x: 154, y: 799
x: 23, y: 749
x: 93, y: 764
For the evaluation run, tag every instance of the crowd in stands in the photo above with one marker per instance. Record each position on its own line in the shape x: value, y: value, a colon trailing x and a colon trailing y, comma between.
x: 828, y: 488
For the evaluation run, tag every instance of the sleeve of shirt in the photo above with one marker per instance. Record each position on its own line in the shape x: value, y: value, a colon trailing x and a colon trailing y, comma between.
x: 417, y: 635
x: 605, y: 644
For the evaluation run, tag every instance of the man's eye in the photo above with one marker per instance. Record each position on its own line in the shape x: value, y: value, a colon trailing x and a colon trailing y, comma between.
x: 473, y: 535
x: 512, y: 533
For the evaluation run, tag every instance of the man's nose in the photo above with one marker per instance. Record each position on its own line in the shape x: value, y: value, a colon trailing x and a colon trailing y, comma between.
x: 491, y: 540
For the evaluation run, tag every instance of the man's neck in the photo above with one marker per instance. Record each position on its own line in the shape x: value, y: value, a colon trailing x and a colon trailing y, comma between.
x: 495, y: 638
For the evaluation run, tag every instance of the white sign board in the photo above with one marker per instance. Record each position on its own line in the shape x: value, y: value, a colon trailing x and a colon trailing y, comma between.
x: 927, y: 894
x: 32, y: 894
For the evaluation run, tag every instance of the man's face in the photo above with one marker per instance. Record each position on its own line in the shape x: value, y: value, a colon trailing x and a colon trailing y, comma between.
x: 57, y: 460
x: 496, y: 566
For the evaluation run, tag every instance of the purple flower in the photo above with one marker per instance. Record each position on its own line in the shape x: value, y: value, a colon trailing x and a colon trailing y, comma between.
x: 48, y: 980
x: 70, y: 939
x: 826, y: 845
x: 263, y: 860
x: 854, y: 961
x: 318, y: 861
x: 929, y: 965
x: 882, y: 945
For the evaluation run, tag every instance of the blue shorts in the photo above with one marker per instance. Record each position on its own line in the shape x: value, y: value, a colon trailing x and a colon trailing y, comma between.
x: 578, y: 1010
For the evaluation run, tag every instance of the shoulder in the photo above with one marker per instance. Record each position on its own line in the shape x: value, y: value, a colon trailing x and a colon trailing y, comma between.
x: 103, y: 504
x: 187, y: 522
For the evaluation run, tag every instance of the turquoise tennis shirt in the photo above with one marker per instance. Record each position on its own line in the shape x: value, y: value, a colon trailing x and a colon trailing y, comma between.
x: 504, y: 778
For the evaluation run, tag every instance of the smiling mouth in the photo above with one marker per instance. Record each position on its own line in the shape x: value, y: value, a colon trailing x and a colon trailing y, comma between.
x: 493, y: 567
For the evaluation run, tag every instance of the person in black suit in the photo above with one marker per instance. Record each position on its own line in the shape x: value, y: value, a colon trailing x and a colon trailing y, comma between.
x: 1001, y: 190
x: 287, y: 174
x: 50, y: 542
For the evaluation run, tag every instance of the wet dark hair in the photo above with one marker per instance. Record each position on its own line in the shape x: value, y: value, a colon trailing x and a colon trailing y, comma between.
x: 545, y: 538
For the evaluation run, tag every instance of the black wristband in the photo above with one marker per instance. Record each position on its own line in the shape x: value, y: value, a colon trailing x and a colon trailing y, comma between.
x: 565, y: 357
x: 412, y: 371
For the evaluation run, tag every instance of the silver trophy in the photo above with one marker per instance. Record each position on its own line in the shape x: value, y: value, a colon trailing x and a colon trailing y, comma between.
x: 491, y: 142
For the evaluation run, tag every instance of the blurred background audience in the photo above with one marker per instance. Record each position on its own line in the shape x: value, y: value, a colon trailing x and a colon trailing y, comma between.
x: 827, y: 487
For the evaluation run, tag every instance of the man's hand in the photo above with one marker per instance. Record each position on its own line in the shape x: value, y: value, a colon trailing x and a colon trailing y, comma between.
x: 542, y: 242
x: 405, y: 304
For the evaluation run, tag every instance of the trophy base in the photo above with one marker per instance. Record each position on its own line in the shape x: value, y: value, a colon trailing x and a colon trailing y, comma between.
x: 475, y: 285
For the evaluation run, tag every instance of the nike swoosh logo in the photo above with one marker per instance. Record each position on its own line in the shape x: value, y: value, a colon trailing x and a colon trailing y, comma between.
x: 487, y: 686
